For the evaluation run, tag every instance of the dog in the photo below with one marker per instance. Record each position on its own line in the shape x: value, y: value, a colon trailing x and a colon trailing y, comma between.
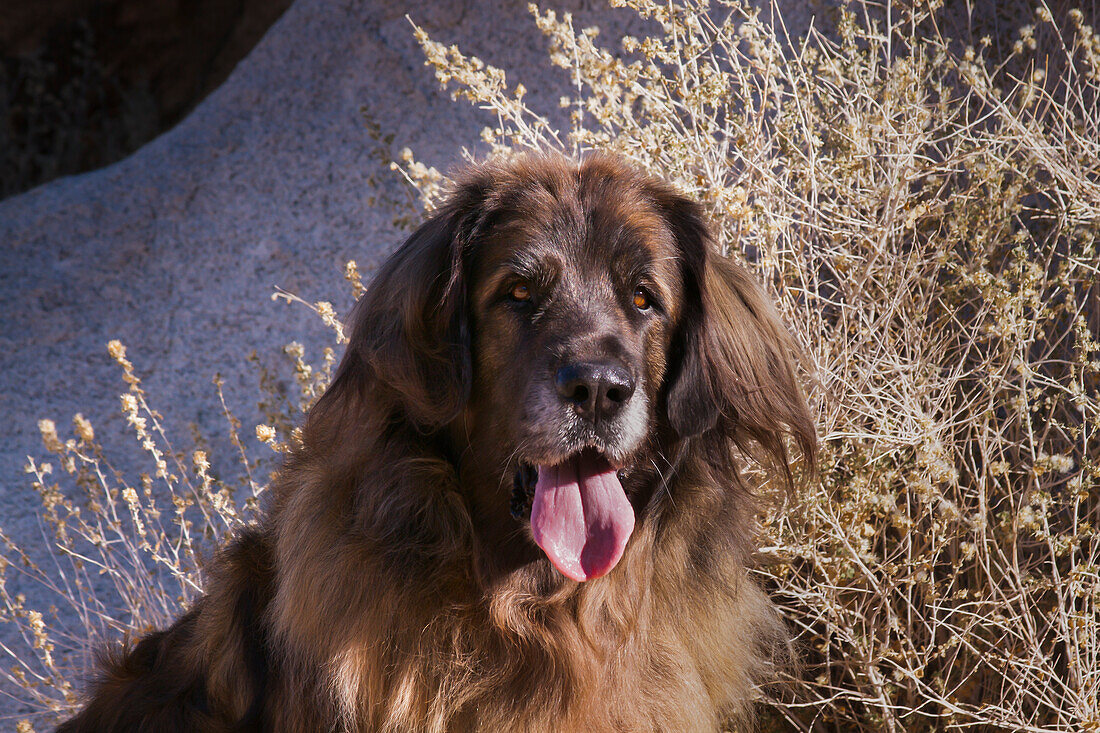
x: 520, y: 505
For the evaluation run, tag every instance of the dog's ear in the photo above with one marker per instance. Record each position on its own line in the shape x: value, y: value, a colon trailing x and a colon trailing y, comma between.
x: 408, y: 334
x: 732, y: 369
x: 692, y: 403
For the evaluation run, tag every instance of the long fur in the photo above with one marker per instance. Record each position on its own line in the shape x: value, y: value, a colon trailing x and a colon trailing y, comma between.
x: 379, y: 593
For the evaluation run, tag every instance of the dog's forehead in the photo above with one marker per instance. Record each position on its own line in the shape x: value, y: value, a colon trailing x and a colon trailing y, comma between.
x: 591, y: 226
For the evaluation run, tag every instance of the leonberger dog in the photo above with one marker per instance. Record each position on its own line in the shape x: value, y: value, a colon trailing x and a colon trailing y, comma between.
x: 522, y: 503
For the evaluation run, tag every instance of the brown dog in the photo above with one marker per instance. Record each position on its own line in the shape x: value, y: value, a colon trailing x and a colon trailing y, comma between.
x: 518, y: 506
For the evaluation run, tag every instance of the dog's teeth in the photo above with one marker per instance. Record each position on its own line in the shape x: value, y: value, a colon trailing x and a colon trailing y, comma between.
x: 621, y: 473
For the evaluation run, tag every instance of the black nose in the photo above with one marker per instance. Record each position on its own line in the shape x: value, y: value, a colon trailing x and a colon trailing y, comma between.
x: 596, y: 391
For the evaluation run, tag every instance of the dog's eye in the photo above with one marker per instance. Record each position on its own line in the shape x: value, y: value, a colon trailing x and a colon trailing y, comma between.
x: 641, y: 299
x: 520, y: 293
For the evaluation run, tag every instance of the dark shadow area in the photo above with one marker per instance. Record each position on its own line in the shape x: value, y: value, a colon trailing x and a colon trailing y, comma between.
x: 84, y: 83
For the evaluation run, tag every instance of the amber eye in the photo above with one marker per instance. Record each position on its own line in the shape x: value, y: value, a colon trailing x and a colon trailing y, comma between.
x: 641, y: 299
x: 521, y: 292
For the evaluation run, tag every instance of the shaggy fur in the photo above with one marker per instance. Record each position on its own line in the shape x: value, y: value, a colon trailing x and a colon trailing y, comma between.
x: 389, y: 588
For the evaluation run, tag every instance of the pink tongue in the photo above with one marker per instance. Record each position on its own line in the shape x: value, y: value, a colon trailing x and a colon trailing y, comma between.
x: 581, y: 517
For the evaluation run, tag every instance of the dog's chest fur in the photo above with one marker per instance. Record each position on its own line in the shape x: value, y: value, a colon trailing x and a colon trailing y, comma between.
x: 591, y: 657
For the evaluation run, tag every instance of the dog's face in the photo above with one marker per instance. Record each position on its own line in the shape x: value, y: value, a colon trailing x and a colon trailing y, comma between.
x: 573, y: 298
x: 574, y: 291
x: 561, y: 323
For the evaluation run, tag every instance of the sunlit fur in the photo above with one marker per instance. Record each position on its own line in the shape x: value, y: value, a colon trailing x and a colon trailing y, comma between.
x: 388, y: 588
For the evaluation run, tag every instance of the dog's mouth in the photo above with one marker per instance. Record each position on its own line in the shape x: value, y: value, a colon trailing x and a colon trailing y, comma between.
x: 580, y: 514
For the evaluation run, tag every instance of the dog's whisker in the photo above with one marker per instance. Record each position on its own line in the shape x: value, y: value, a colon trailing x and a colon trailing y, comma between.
x: 663, y: 481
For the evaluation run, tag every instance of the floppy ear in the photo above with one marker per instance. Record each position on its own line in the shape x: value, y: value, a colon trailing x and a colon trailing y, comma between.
x: 692, y: 403
x: 408, y: 335
x: 732, y: 368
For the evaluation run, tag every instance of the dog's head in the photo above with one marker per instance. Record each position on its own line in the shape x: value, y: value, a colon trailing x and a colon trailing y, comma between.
x: 566, y: 326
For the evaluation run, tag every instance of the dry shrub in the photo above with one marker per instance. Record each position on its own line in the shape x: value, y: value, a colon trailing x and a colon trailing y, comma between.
x: 928, y: 223
x: 126, y: 554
